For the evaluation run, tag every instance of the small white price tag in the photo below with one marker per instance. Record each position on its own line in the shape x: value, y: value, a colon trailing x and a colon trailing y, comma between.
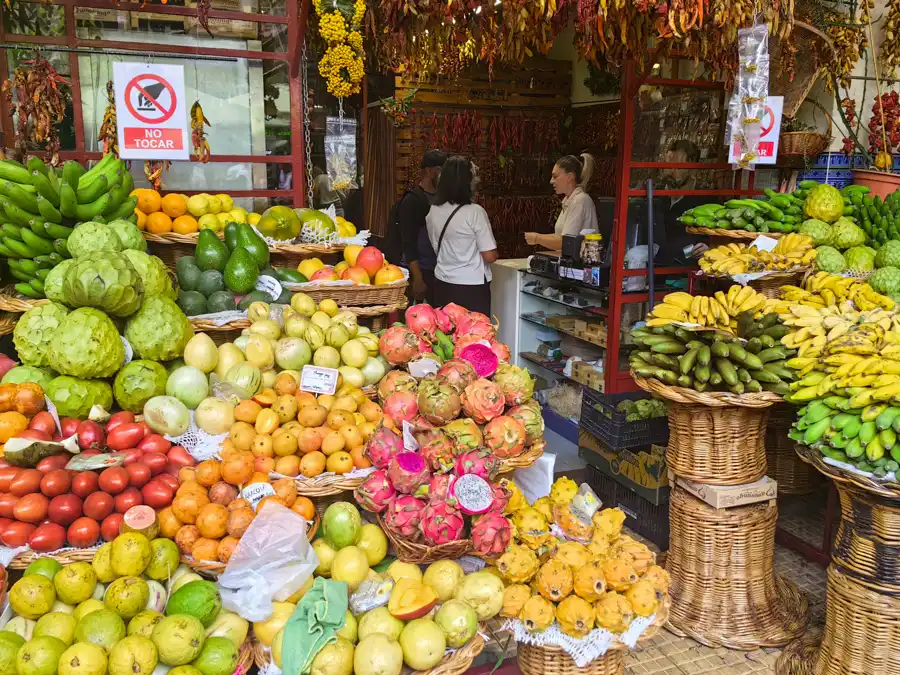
x: 269, y: 285
x: 423, y: 367
x: 318, y: 380
x: 410, y: 444
x: 129, y: 352
x: 51, y: 408
x: 256, y: 492
x: 764, y: 243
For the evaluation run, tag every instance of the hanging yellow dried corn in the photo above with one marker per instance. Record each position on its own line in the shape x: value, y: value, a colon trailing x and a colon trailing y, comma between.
x: 198, y: 133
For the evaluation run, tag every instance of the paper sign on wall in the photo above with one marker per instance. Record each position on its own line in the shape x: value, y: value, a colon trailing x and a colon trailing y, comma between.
x: 770, y: 130
x: 151, y: 111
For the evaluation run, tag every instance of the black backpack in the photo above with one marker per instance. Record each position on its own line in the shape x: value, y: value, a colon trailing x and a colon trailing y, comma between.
x: 392, y: 243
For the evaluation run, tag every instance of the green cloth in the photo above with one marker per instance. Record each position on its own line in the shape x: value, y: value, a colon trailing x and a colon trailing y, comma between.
x: 320, y: 614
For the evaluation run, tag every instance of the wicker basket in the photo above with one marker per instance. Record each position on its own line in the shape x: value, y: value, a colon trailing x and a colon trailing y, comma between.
x: 531, y: 454
x: 724, y: 589
x: 794, y: 477
x: 324, y: 486
x: 840, y: 476
x: 799, y: 147
x: 4, y: 585
x: 245, y: 657
x: 770, y: 285
x: 358, y: 296
x: 24, y: 559
x: 738, y: 235
x: 799, y: 657
x: 13, y: 301
x: 8, y: 322
x: 418, y: 553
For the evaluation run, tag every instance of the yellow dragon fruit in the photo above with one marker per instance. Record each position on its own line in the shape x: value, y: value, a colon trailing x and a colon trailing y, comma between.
x: 517, y: 498
x: 531, y: 527
x: 619, y: 574
x: 514, y: 599
x: 599, y: 546
x: 573, y: 554
x: 545, y: 506
x: 657, y: 576
x: 575, y: 616
x: 554, y: 580
x: 643, y: 597
x: 590, y: 581
x: 518, y: 564
x: 571, y: 524
x: 640, y: 557
x: 537, y: 614
x: 608, y: 523
x: 613, y: 612
x: 563, y: 491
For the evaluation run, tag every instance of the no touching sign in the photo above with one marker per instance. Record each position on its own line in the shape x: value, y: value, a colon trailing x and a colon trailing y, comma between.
x: 151, y: 111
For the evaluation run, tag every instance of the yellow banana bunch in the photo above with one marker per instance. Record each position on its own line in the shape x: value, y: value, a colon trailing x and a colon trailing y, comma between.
x: 793, y: 243
x: 733, y: 259
x: 719, y: 311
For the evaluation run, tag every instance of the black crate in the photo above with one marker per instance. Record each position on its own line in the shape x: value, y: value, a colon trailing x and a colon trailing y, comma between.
x: 649, y: 521
x: 610, y: 426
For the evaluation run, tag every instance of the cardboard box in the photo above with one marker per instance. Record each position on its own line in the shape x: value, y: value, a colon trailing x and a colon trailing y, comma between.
x: 728, y: 496
x: 642, y: 470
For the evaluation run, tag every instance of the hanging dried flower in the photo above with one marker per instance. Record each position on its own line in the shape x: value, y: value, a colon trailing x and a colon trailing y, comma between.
x: 154, y: 169
x: 198, y: 134
x: 203, y: 7
x: 397, y: 109
x: 109, y: 134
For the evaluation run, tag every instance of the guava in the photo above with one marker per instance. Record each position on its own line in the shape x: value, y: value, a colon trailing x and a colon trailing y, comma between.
x: 184, y: 670
x: 341, y: 524
x: 58, y: 625
x: 379, y: 620
x: 350, y: 629
x: 377, y: 654
x: 483, y: 592
x: 351, y: 566
x: 103, y: 628
x: 178, y: 639
x: 218, y: 656
x: 40, y: 656
x: 60, y: 606
x: 458, y: 621
x: 127, y: 596
x: 75, y: 583
x: 423, y: 644
x: 102, y: 564
x: 83, y: 658
x: 373, y: 543
x: 164, y: 559
x: 335, y: 658
x: 32, y: 596
x: 47, y: 567
x: 144, y: 623
x: 443, y: 576
x: 88, y: 606
x: 133, y: 655
x: 9, y: 647
x: 130, y: 554
x: 325, y: 554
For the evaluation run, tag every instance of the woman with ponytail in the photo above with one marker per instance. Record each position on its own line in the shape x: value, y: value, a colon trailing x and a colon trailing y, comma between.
x: 570, y: 176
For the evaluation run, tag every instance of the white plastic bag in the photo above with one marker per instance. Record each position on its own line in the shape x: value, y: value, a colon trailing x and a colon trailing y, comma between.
x: 271, y: 562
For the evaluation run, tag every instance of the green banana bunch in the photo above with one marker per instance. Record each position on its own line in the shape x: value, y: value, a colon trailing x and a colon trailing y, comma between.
x: 442, y: 345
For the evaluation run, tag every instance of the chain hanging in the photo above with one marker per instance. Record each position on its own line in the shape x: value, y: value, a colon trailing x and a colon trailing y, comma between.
x: 307, y: 138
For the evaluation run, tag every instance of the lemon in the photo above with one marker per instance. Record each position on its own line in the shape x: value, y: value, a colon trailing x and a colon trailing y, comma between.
x: 210, y: 222
x: 238, y: 215
x: 215, y: 204
x: 198, y: 205
x: 227, y: 202
x: 253, y: 218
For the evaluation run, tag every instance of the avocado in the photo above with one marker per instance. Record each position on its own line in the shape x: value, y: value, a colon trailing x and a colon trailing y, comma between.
x: 211, y: 253
x: 255, y: 296
x: 231, y: 232
x: 220, y: 301
x: 210, y: 282
x: 241, y: 271
x: 285, y: 297
x: 268, y: 271
x: 189, y: 277
x: 248, y: 239
x: 291, y: 276
x: 192, y: 303
x: 185, y: 261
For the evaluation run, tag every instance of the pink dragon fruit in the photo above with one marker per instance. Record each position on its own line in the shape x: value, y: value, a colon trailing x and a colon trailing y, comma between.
x: 442, y: 319
x: 482, y: 358
x: 438, y: 488
x: 398, y: 345
x: 457, y: 373
x: 505, y: 436
x: 419, y: 422
x: 375, y: 492
x: 529, y: 414
x: 465, y: 434
x: 437, y: 449
x: 408, y: 472
x: 396, y: 380
x: 461, y: 343
x: 382, y: 447
x: 475, y: 323
x: 455, y: 312
x: 515, y: 383
x: 482, y: 400
x: 438, y: 403
x: 403, y: 514
x: 480, y: 462
x: 491, y: 534
x: 421, y: 320
x: 473, y: 493
x: 502, y: 495
x: 441, y: 523
x: 501, y: 350
x: 401, y: 406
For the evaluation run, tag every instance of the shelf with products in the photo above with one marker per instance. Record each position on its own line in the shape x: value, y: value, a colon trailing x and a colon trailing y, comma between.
x: 558, y: 367
x: 597, y: 338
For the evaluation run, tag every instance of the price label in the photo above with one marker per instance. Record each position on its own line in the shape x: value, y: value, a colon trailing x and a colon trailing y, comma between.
x: 269, y: 285
x: 256, y: 492
x: 423, y: 367
x: 410, y: 444
x: 94, y: 462
x: 764, y: 243
x: 51, y: 408
x: 318, y: 380
x: 129, y: 352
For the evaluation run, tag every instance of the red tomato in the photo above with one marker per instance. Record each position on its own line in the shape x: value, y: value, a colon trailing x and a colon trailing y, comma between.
x: 90, y: 435
x: 48, y: 537
x: 127, y: 498
x: 69, y: 426
x: 4, y: 464
x: 168, y: 479
x: 157, y: 494
x: 179, y: 457
x: 156, y: 461
x: 111, y: 526
x: 31, y: 508
x: 113, y: 480
x: 26, y: 482
x: 4, y: 523
x: 138, y: 474
x: 83, y: 533
x: 7, y: 474
x: 34, y: 435
x: 7, y: 504
x: 133, y: 455
x: 65, y: 509
x: 118, y: 419
x: 85, y: 483
x: 155, y: 443
x: 54, y: 462
x: 98, y: 505
x: 17, y: 534
x: 43, y: 421
x: 56, y: 482
x: 147, y: 429
x: 125, y: 436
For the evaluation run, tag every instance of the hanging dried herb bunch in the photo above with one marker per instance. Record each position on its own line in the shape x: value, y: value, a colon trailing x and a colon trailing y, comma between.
x: 203, y: 7
x: 109, y: 133
x: 154, y: 169
x: 397, y: 109
x: 38, y: 102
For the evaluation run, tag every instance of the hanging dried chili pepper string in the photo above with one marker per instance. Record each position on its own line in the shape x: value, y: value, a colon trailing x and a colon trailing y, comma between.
x: 108, y: 133
x: 198, y: 133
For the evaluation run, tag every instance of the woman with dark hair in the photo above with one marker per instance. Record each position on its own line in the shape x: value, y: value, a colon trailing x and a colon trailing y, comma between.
x: 570, y: 176
x: 460, y: 233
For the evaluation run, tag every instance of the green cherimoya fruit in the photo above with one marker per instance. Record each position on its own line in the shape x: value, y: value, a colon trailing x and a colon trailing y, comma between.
x: 885, y: 280
x: 20, y: 374
x: 137, y: 383
x: 75, y: 398
x: 34, y: 331
x: 87, y: 344
x: 824, y: 202
x: 128, y: 234
x: 153, y: 273
x: 91, y: 237
x: 860, y: 258
x: 889, y: 254
x: 829, y: 259
x: 847, y: 234
x: 104, y: 280
x: 818, y: 230
x: 159, y: 330
x: 53, y: 284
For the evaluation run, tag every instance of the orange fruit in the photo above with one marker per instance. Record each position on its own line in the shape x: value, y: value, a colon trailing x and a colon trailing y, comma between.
x: 312, y: 464
x: 159, y: 223
x: 185, y: 225
x: 339, y: 462
x: 141, y: 219
x: 148, y: 201
x: 174, y: 205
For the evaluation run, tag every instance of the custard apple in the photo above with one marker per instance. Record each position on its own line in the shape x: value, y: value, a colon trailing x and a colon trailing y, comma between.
x: 138, y: 382
x: 885, y: 280
x: 34, y: 331
x: 889, y: 254
x: 91, y: 237
x: 847, y: 234
x: 860, y: 258
x: 159, y: 330
x: 829, y: 259
x: 153, y: 272
x: 128, y: 234
x: 104, y: 280
x: 87, y: 345
x: 53, y: 284
x: 819, y: 231
x: 824, y: 202
x: 75, y: 398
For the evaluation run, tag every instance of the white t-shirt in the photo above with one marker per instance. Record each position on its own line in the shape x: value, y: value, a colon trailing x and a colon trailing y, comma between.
x: 468, y: 235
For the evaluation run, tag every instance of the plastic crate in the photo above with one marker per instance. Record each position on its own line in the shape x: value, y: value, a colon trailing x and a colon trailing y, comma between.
x: 610, y: 426
x: 648, y: 520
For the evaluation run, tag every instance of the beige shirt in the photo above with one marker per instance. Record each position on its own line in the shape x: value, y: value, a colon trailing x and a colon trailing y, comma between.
x: 578, y: 213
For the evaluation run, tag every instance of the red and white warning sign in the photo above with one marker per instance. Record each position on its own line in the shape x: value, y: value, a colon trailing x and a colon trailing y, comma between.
x: 770, y: 130
x: 151, y: 111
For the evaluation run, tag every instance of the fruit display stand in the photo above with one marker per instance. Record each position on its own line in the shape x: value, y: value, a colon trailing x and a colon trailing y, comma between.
x: 8, y: 322
x: 220, y: 332
x: 728, y: 235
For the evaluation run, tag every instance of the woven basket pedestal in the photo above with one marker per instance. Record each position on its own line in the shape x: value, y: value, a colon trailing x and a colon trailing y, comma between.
x: 546, y: 660
x: 724, y: 589
x: 793, y: 475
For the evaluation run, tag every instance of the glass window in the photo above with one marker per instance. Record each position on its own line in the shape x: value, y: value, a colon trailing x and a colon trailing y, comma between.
x: 28, y: 18
x: 666, y: 115
x: 60, y: 62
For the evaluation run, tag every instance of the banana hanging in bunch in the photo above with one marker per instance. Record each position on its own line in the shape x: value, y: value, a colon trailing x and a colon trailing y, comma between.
x: 718, y: 311
x: 793, y: 250
x: 793, y: 244
x: 828, y: 290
